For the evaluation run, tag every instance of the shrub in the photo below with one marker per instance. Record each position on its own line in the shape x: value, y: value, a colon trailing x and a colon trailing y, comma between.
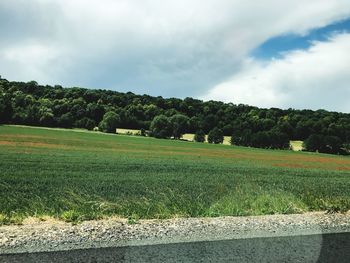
x: 199, y: 136
x: 71, y: 216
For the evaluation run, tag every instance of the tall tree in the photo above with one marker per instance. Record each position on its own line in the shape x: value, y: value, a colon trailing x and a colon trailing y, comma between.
x: 161, y: 127
x: 179, y: 124
x: 216, y: 136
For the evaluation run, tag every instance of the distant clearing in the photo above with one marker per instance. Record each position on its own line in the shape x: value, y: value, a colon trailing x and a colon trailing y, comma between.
x: 190, y: 137
x: 297, y: 145
x: 88, y: 175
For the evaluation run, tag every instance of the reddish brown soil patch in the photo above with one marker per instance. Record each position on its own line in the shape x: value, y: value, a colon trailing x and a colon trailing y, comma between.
x: 7, y: 143
x: 7, y: 136
x: 324, y: 160
x: 293, y: 165
x: 46, y: 145
x: 296, y: 165
x: 35, y: 144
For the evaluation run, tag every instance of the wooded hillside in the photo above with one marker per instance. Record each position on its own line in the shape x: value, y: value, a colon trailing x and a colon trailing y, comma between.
x: 33, y: 104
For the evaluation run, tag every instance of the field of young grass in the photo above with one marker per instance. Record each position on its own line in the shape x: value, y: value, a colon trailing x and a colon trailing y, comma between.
x: 85, y: 175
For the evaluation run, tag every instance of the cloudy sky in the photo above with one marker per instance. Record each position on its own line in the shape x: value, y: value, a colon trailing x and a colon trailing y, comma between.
x: 265, y: 53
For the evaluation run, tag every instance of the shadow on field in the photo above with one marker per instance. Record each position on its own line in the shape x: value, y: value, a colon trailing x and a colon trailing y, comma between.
x: 307, y: 248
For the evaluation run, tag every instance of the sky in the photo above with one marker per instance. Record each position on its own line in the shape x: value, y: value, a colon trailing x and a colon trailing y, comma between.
x: 286, y: 54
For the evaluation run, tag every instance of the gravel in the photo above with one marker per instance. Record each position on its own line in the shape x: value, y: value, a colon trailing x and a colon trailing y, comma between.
x: 53, y: 235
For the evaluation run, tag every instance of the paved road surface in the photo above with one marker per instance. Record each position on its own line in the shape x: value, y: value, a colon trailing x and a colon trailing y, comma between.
x: 304, y: 248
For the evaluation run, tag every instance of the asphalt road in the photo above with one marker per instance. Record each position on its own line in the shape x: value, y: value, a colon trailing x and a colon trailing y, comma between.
x: 303, y: 248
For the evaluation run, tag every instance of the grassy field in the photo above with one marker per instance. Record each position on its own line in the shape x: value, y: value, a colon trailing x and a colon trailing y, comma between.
x: 85, y: 175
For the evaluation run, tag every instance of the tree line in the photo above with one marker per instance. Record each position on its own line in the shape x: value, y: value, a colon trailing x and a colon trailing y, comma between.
x: 54, y: 106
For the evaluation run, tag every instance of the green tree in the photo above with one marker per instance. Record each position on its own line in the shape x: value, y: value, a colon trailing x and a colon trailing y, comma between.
x: 285, y: 127
x: 5, y: 108
x: 109, y: 122
x: 333, y: 144
x: 179, y: 125
x: 66, y: 120
x: 273, y: 139
x: 216, y: 136
x: 199, y: 136
x: 324, y: 144
x: 278, y: 139
x: 304, y: 129
x: 195, y: 124
x: 241, y: 137
x: 313, y: 143
x: 260, y: 139
x: 46, y: 117
x: 160, y: 127
x: 85, y: 123
x: 95, y: 112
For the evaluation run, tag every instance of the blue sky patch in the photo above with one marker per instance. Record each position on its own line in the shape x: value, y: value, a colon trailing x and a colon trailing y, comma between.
x: 275, y: 47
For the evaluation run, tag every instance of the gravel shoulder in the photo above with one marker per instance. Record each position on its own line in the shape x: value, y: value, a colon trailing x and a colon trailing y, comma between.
x: 51, y: 235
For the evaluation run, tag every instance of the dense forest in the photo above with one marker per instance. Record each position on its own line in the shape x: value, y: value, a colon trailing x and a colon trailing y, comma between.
x: 33, y: 104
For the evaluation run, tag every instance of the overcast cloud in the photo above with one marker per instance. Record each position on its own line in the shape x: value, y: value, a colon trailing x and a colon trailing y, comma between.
x: 178, y: 48
x: 314, y: 78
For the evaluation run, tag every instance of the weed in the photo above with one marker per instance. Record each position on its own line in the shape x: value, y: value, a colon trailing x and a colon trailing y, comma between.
x: 71, y: 216
x: 133, y: 219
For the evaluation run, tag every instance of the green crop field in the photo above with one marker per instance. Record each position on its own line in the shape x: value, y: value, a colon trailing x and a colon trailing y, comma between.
x: 85, y: 175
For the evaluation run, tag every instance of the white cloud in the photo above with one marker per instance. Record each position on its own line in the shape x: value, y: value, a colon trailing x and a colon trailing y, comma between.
x: 32, y: 60
x: 316, y: 78
x: 171, y: 48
